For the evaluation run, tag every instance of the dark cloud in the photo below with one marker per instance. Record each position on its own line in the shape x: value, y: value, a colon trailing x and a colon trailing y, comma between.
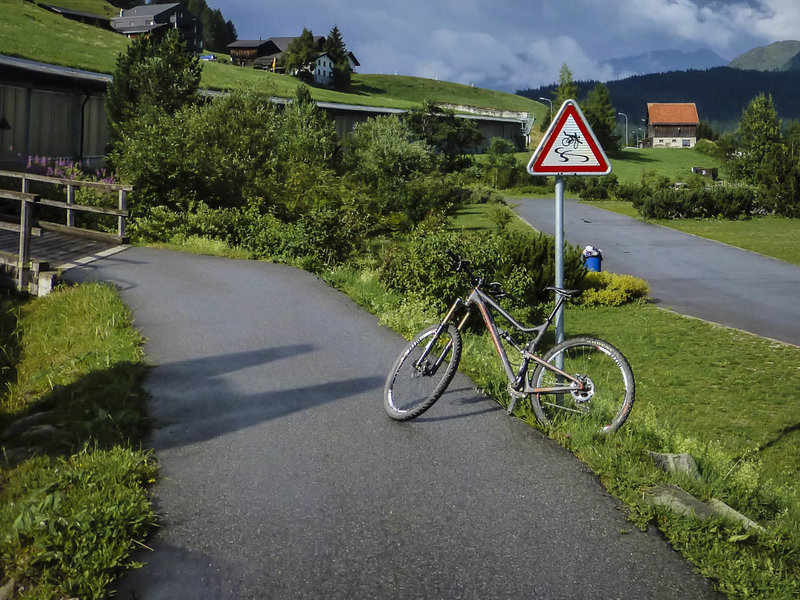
x: 512, y: 44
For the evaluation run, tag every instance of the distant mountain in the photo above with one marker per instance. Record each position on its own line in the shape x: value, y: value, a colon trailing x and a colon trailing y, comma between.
x: 794, y: 63
x: 775, y: 57
x: 721, y: 93
x: 661, y: 61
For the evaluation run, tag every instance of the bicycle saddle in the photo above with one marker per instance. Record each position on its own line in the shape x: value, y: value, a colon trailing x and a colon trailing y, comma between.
x: 562, y: 291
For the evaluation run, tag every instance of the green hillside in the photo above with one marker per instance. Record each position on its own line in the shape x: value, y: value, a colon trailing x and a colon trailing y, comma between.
x: 28, y: 31
x: 774, y: 57
x: 97, y: 7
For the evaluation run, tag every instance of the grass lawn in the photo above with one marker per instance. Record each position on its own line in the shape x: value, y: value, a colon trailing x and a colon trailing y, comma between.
x: 71, y: 515
x: 675, y: 163
x: 778, y: 237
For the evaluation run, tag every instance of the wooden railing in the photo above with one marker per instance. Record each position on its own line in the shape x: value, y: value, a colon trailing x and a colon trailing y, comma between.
x: 26, y: 201
x: 69, y: 205
x: 29, y: 226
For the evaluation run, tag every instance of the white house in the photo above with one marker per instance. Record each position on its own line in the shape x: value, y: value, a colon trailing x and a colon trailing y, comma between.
x: 323, y: 68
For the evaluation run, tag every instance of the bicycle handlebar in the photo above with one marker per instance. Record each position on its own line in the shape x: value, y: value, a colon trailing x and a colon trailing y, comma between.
x: 494, y: 288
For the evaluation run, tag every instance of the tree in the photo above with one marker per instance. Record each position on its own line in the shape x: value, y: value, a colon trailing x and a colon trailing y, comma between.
x: 450, y: 136
x: 759, y: 135
x: 301, y: 53
x: 567, y: 89
x: 602, y: 117
x: 217, y: 33
x: 336, y: 50
x: 152, y: 74
x: 334, y: 46
x: 500, y: 164
x: 705, y: 132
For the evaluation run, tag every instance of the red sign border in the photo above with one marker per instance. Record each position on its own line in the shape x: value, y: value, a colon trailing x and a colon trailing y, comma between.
x: 569, y: 108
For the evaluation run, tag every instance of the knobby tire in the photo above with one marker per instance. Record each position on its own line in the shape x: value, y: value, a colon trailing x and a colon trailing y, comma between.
x: 409, y: 392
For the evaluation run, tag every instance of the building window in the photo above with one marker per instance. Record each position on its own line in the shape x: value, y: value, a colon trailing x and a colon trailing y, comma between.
x: 686, y: 143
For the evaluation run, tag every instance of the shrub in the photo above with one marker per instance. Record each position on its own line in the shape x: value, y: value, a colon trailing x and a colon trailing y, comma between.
x: 706, y: 147
x: 239, y: 146
x: 708, y: 202
x: 522, y: 261
x: 594, y: 188
x: 500, y: 167
x: 611, y: 289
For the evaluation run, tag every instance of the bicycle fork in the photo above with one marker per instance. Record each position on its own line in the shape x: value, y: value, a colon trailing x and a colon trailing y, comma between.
x: 430, y: 369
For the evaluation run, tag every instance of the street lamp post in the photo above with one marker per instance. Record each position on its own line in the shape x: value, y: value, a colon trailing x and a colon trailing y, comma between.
x: 626, y: 127
x: 550, y: 102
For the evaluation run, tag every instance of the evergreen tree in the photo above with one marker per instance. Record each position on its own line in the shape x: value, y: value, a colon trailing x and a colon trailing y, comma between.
x: 151, y: 75
x: 759, y: 136
x: 602, y: 117
x: 335, y: 48
x: 301, y: 53
x: 215, y: 34
x: 567, y: 89
x: 450, y: 136
x: 705, y: 132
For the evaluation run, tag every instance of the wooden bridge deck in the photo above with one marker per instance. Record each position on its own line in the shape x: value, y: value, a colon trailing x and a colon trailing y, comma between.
x: 61, y: 251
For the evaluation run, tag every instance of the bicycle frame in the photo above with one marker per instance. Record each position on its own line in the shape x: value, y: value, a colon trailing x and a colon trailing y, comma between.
x: 517, y: 381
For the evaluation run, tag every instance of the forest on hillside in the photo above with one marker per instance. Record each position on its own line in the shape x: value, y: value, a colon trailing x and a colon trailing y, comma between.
x: 721, y: 93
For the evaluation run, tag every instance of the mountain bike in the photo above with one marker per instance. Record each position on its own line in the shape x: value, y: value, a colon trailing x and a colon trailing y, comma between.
x: 581, y: 376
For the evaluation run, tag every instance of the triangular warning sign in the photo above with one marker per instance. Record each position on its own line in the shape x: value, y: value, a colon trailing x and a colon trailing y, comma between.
x: 569, y: 147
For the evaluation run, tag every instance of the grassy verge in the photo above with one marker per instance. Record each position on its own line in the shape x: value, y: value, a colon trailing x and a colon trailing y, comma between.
x: 73, y: 479
x: 778, y: 237
x: 708, y: 390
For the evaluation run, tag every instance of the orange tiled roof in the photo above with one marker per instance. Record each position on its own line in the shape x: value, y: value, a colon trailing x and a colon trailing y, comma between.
x: 672, y: 114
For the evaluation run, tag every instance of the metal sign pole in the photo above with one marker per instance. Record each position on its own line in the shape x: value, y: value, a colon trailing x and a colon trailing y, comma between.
x: 560, y: 253
x: 568, y: 148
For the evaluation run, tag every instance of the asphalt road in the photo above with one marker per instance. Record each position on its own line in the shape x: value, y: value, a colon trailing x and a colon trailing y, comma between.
x: 282, y: 477
x: 691, y: 275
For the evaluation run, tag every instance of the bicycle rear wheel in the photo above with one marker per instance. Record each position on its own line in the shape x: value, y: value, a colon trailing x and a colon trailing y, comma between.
x: 411, y: 390
x: 609, y: 387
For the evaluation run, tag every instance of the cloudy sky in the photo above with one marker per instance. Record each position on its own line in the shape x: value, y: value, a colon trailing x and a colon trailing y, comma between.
x: 515, y: 44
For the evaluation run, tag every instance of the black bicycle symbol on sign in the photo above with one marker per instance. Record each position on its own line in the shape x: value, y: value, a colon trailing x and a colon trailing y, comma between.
x: 572, y: 141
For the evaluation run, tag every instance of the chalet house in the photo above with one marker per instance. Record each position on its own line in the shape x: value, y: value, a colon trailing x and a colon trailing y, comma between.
x: 157, y: 19
x: 323, y: 68
x: 266, y: 55
x: 671, y: 125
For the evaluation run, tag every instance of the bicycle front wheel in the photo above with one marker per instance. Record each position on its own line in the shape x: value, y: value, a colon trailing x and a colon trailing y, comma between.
x: 414, y: 385
x: 607, y: 391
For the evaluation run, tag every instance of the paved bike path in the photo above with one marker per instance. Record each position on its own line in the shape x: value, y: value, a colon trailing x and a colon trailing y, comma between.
x: 282, y: 477
x: 689, y: 274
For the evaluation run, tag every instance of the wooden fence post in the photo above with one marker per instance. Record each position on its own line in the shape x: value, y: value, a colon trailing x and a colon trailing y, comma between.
x: 24, y: 240
x: 121, y: 221
x: 70, y: 200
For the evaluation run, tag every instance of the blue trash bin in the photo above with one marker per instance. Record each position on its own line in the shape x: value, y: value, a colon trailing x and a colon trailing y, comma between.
x: 593, y: 258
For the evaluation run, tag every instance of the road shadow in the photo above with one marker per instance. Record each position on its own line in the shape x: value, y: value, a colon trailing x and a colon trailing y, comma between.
x: 198, y: 399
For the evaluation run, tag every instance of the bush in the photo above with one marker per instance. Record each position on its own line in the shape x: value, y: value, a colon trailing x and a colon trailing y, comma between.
x: 611, y: 289
x: 594, y: 188
x: 522, y: 261
x: 237, y: 147
x: 708, y: 202
x: 706, y: 147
